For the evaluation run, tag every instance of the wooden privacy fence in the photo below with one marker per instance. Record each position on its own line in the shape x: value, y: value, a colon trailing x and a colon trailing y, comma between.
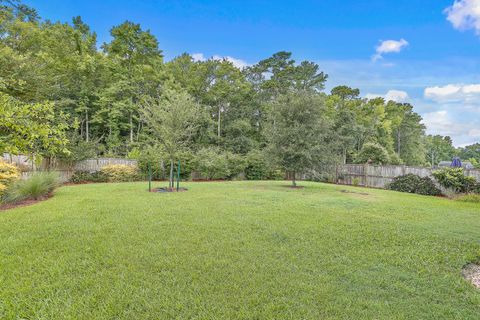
x: 92, y: 165
x: 65, y: 171
x: 377, y: 176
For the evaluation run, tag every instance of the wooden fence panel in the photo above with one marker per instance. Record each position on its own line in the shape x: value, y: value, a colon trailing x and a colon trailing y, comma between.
x: 92, y: 165
x: 474, y: 173
x: 377, y: 176
x: 65, y: 172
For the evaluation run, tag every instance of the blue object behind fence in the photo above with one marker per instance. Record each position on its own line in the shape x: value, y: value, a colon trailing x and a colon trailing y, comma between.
x: 456, y: 163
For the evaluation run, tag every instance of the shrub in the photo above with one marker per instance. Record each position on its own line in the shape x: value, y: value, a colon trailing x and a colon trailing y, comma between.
x: 374, y: 153
x: 120, y: 173
x: 8, y: 174
x: 454, y: 179
x: 236, y: 164
x: 39, y: 185
x: 212, y: 163
x: 257, y: 167
x: 276, y: 174
x: 83, y: 176
x: 356, y: 181
x: 412, y: 183
x: 476, y: 189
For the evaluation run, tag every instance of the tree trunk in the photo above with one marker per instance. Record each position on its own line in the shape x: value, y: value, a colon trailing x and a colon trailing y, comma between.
x: 87, y: 135
x: 170, y: 182
x: 398, y: 142
x: 138, y: 129
x: 344, y: 155
x: 219, y: 120
x: 131, y: 127
x: 294, y: 181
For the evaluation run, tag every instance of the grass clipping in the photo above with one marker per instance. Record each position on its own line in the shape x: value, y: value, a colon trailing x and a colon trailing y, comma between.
x: 471, y: 273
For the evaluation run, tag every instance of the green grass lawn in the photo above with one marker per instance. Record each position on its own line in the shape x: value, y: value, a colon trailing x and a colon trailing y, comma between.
x: 238, y: 250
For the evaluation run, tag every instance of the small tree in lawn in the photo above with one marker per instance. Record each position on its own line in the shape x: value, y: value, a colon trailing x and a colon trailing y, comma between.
x: 171, y: 119
x: 298, y: 131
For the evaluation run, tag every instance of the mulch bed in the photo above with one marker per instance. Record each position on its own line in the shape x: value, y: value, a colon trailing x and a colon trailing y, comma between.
x: 166, y: 189
x: 24, y: 203
x: 471, y: 273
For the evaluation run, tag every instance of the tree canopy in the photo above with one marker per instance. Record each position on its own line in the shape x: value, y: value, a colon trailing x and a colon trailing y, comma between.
x: 53, y: 71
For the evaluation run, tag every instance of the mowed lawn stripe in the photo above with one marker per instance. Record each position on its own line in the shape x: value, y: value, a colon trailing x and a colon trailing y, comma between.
x: 243, y: 250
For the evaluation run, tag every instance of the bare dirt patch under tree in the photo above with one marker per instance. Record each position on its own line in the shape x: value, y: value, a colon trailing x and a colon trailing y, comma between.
x: 471, y: 273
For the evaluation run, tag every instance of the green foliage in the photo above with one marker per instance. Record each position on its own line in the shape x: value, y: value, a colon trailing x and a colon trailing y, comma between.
x: 79, y: 150
x: 171, y: 121
x: 211, y: 163
x: 84, y: 177
x: 153, y: 158
x: 120, y: 173
x: 412, y: 183
x: 472, y: 153
x: 356, y: 181
x: 439, y: 148
x: 236, y: 165
x: 298, y: 131
x: 372, y: 153
x: 124, y: 97
x: 39, y: 185
x: 31, y: 128
x: 134, y: 154
x: 455, y: 179
x: 257, y: 166
x: 475, y: 163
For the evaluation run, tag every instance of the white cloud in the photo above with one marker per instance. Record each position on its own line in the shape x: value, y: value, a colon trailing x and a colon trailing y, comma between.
x: 464, y: 15
x: 439, y: 122
x: 236, y: 62
x: 198, y: 57
x: 393, y: 95
x: 474, y: 133
x: 454, y: 92
x: 396, y: 95
x: 389, y: 46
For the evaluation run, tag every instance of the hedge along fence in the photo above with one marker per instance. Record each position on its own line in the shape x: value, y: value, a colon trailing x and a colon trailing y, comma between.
x: 65, y: 172
x: 93, y: 165
x: 377, y: 176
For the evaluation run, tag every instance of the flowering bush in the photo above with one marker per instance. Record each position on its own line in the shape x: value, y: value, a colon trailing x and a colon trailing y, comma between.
x: 8, y: 174
x: 120, y: 173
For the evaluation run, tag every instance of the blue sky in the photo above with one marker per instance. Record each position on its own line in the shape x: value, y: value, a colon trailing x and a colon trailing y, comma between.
x: 426, y: 52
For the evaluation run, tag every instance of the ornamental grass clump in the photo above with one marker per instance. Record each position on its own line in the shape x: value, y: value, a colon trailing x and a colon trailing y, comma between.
x: 38, y: 186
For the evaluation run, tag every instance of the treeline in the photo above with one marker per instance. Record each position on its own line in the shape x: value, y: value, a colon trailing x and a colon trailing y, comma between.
x: 64, y: 95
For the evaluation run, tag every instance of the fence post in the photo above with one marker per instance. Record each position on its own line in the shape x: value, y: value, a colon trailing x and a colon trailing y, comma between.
x: 336, y: 173
x: 365, y: 174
